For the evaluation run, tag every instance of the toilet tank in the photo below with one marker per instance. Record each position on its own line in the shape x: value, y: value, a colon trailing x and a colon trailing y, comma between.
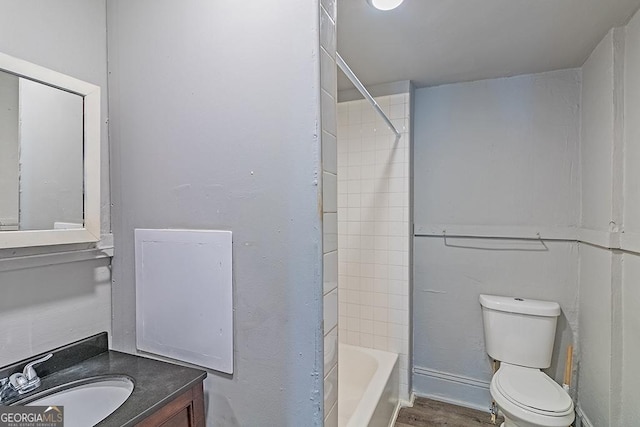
x: 519, y: 331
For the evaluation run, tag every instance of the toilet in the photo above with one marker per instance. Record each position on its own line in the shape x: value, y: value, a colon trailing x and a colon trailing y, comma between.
x: 520, y: 334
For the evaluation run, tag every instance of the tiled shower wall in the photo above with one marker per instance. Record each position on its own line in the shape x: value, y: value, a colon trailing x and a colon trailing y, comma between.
x: 373, y: 228
x: 328, y: 83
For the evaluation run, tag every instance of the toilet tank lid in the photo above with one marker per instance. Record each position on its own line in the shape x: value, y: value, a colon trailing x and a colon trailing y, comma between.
x: 521, y: 305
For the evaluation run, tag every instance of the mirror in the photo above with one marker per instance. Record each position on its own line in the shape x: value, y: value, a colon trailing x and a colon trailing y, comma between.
x: 49, y: 157
x: 41, y: 156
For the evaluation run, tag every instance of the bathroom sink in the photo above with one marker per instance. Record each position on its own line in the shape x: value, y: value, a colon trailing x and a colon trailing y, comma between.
x: 89, y: 402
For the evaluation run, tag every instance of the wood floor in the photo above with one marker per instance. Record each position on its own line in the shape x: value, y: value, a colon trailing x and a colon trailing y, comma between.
x: 430, y: 413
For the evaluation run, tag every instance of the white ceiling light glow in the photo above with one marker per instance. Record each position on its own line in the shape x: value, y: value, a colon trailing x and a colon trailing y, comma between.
x: 385, y: 4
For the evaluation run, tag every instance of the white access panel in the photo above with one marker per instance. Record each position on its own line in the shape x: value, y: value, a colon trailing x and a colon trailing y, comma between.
x: 184, y: 298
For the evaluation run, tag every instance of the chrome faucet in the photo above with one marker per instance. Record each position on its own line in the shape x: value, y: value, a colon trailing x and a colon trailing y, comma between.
x: 21, y: 382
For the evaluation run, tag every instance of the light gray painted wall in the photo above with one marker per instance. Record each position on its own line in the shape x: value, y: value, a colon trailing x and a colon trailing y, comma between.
x: 594, y: 379
x: 44, y: 307
x: 631, y: 263
x: 598, y: 395
x: 631, y: 345
x: 600, y: 277
x: 609, y: 298
x: 216, y: 127
x: 499, y: 152
x: 8, y: 150
x: 596, y: 139
x: 632, y: 126
x: 490, y: 154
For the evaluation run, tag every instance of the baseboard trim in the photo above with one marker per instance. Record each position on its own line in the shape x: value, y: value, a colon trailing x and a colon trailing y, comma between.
x: 395, y: 414
x: 451, y: 388
x: 581, y: 418
x: 454, y: 402
x: 409, y: 403
x: 453, y: 378
x: 402, y: 403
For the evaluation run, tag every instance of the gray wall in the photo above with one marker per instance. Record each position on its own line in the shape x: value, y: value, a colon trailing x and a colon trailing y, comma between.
x: 495, y: 158
x: 48, y: 306
x: 216, y: 127
x: 629, y: 344
x: 597, y: 392
x: 9, y: 152
x: 609, y: 299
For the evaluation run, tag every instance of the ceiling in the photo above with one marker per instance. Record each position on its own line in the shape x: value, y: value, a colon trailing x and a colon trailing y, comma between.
x: 433, y: 42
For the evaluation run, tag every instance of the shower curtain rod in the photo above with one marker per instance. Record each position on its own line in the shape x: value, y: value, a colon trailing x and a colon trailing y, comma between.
x: 350, y: 74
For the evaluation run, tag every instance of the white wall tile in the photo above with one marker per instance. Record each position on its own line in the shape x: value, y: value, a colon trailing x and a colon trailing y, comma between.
x: 343, y: 110
x: 331, y: 310
x: 328, y: 73
x: 369, y: 117
x: 353, y: 310
x: 329, y: 192
x: 330, y: 390
x: 331, y: 7
x: 355, y: 114
x: 328, y: 111
x: 332, y: 419
x: 330, y: 350
x: 342, y: 197
x: 400, y: 98
x: 366, y: 326
x: 373, y: 178
x: 366, y: 312
x: 366, y: 340
x: 396, y: 111
x: 397, y: 316
x: 353, y: 323
x: 330, y: 232
x: 380, y: 343
x: 331, y: 201
x: 327, y: 33
x: 329, y: 152
x: 330, y: 271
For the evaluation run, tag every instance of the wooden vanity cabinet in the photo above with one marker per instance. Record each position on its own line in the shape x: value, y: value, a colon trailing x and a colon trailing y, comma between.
x: 186, y: 410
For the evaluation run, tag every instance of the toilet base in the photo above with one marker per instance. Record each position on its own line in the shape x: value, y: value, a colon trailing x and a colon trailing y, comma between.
x: 510, y: 423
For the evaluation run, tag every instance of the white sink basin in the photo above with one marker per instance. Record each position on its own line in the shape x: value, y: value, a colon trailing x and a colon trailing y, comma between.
x: 88, y: 404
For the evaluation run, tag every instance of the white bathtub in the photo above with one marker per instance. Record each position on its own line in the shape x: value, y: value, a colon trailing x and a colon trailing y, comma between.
x: 368, y: 382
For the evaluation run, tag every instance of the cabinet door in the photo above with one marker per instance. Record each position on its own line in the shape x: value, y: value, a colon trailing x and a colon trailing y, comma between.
x: 186, y: 410
x: 181, y: 419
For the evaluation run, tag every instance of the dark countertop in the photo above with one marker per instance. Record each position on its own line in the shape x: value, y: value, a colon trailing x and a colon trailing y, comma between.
x: 155, y: 382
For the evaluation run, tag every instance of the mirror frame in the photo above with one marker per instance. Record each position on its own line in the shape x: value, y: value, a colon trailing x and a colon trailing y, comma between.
x: 91, y: 149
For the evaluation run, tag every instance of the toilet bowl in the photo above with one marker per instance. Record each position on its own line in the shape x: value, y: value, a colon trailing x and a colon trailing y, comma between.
x: 527, y: 397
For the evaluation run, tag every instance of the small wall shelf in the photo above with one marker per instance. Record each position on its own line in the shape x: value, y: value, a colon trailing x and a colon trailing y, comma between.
x: 44, y: 256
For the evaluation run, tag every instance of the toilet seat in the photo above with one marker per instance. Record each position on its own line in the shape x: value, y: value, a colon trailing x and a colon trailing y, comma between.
x: 532, y: 390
